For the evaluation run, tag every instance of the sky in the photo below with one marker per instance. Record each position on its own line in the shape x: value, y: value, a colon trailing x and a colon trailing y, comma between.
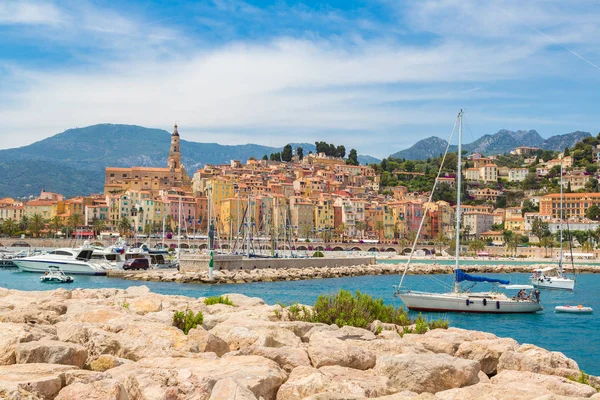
x: 374, y: 75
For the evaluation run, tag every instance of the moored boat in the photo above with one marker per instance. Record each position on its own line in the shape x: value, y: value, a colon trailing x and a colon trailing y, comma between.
x: 55, y: 275
x: 71, y: 261
x: 578, y: 309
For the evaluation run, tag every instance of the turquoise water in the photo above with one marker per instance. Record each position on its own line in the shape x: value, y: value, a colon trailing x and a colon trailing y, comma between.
x: 566, y: 264
x: 575, y: 335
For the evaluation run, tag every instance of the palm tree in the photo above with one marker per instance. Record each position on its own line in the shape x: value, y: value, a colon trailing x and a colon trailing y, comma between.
x: 148, y: 228
x: 379, y: 227
x: 440, y: 240
x: 9, y: 226
x: 74, y: 221
x: 361, y: 226
x: 98, y: 226
x: 124, y: 226
x: 24, y: 223
x: 547, y: 241
x: 36, y: 224
x: 476, y: 246
x: 56, y: 223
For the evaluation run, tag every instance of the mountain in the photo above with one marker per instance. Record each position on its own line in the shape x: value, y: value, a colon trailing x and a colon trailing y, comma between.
x: 500, y: 142
x: 73, y: 162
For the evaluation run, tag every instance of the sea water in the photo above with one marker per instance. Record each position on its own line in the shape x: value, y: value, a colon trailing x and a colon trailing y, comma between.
x: 576, y: 335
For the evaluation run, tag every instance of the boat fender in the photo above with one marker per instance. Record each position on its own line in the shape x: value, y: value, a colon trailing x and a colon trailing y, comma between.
x: 485, y: 302
x: 498, y: 305
x: 468, y: 302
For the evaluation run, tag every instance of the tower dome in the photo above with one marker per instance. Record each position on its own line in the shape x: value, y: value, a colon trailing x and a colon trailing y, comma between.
x: 175, y: 132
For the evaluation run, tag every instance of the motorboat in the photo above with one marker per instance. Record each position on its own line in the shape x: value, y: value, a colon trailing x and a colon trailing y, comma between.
x: 71, y: 261
x: 55, y: 275
x: 578, y: 309
x: 551, y: 278
x: 462, y: 299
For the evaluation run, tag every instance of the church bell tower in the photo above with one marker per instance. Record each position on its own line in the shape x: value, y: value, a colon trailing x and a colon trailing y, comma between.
x: 174, y: 160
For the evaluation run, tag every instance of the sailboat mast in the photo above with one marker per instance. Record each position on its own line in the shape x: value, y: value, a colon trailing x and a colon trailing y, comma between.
x: 560, y: 261
x: 458, y: 191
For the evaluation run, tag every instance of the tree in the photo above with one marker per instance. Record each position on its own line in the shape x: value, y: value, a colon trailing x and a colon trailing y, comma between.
x: 98, y: 225
x: 440, y: 240
x: 352, y: 157
x: 24, y: 223
x: 546, y: 242
x: 540, y: 228
x: 124, y: 226
x: 265, y: 157
x: 275, y: 157
x: 286, y: 154
x: 340, y: 151
x: 74, y: 221
x: 476, y: 246
x: 379, y: 227
x: 360, y: 227
x: 9, y: 227
x: 56, y: 224
x: 409, y: 166
x: 593, y: 212
x: 300, y: 152
x: 528, y: 206
x: 567, y: 152
x: 36, y: 224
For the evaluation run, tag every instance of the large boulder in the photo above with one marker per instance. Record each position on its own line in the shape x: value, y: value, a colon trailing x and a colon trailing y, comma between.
x: 487, y: 352
x: 106, y: 362
x: 51, y: 352
x: 347, y: 382
x: 43, y: 381
x: 549, y: 384
x: 230, y: 389
x: 161, y: 377
x: 427, y: 372
x: 146, y: 304
x: 206, y: 341
x: 106, y: 389
x: 529, y: 357
x: 287, y: 358
x: 241, y: 333
x: 447, y: 340
x: 338, y: 347
x: 12, y: 334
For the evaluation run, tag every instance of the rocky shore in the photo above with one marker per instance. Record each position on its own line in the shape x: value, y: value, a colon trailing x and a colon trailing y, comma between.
x: 294, y: 274
x: 113, y: 344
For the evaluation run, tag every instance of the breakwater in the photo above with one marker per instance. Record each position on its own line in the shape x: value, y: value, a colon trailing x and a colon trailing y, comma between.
x: 287, y: 271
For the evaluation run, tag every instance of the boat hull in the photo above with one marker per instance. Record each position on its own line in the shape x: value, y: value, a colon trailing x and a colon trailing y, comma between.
x: 459, y: 302
x: 554, y: 283
x: 574, y: 309
x: 74, y: 268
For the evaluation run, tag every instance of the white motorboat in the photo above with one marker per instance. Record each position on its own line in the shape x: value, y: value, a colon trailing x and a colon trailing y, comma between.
x: 551, y: 278
x: 463, y: 300
x: 55, y: 275
x: 71, y: 261
x: 579, y: 309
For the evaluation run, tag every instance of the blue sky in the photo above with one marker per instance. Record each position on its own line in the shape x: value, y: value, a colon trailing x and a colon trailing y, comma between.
x: 375, y: 75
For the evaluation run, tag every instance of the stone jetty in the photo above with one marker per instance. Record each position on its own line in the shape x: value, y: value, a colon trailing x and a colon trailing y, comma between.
x: 294, y: 274
x: 115, y: 344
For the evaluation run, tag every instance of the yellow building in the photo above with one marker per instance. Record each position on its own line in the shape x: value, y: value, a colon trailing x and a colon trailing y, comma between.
x: 324, y: 214
x: 119, y: 180
x: 40, y: 207
x: 515, y: 224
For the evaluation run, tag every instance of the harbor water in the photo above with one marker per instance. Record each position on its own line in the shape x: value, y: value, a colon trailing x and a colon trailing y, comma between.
x: 576, y: 335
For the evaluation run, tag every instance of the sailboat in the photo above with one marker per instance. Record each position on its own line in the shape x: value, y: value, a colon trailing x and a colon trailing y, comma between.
x: 464, y: 300
x: 553, y: 277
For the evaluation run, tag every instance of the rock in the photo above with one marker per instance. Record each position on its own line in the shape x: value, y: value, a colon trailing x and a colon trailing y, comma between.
x: 240, y: 333
x: 487, y: 352
x: 106, y: 362
x: 161, y: 377
x: 41, y: 380
x: 145, y: 304
x: 377, y: 327
x: 483, y: 378
x: 207, y: 342
x: 532, y: 358
x: 338, y: 352
x: 106, y: 389
x: 242, y: 301
x: 137, y: 290
x: 552, y: 384
x: 427, y: 372
x: 447, y: 340
x: 51, y: 352
x: 347, y: 382
x: 83, y: 376
x: 12, y: 334
x: 230, y: 389
x: 475, y: 392
x: 287, y: 358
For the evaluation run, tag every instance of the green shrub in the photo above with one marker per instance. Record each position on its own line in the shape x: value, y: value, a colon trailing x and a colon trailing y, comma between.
x: 186, y: 320
x: 438, y: 324
x: 318, y: 254
x: 421, y: 325
x: 360, y: 310
x: 218, y: 300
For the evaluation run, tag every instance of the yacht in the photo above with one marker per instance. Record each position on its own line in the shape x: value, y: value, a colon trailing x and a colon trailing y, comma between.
x: 70, y: 261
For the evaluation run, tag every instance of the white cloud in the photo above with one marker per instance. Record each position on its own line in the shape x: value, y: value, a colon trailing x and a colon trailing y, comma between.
x: 29, y: 12
x: 362, y: 91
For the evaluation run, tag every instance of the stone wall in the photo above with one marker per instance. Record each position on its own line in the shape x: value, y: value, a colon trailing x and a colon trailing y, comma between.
x: 199, y: 263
